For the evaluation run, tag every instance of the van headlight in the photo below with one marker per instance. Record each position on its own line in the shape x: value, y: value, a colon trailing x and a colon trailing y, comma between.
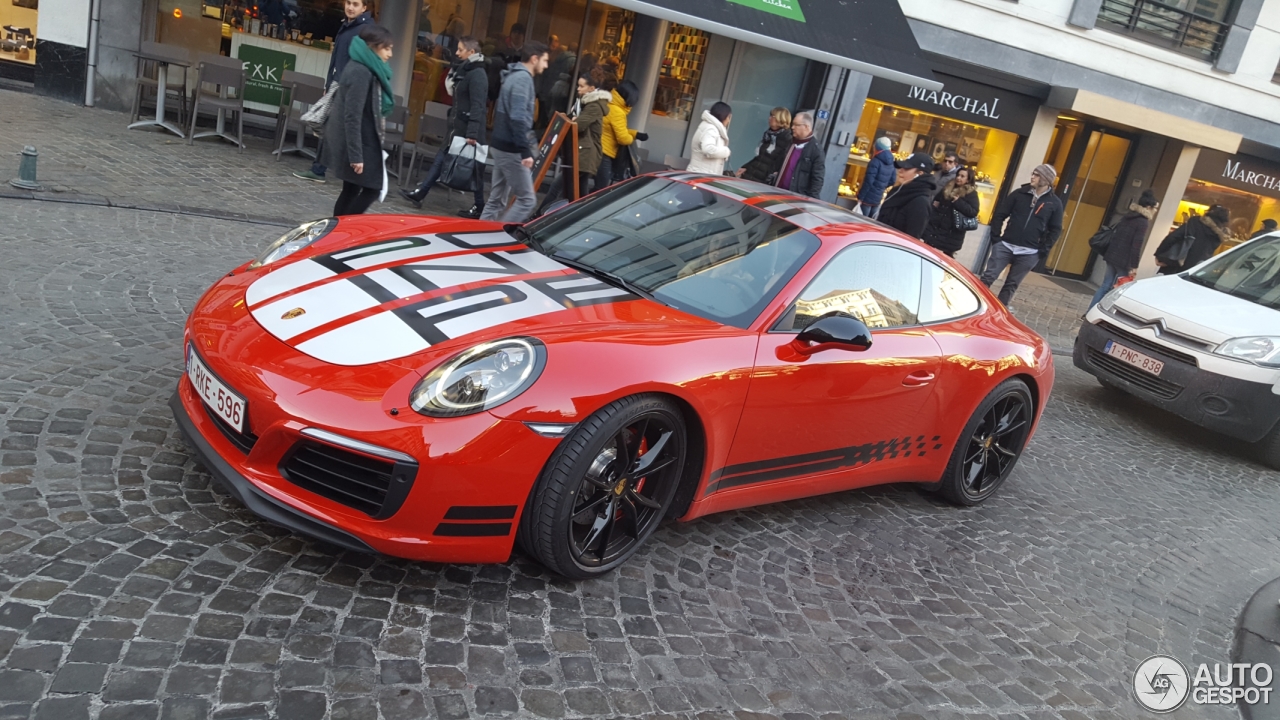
x: 1260, y: 350
x: 294, y: 240
x: 481, y: 378
x: 1109, y: 300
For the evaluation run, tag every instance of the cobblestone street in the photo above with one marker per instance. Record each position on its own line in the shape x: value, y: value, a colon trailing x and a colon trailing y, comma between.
x: 130, y: 588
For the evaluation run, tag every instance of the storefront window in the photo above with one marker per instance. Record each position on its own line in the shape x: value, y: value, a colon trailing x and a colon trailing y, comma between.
x: 986, y: 149
x: 18, y: 24
x: 682, y: 59
x: 1247, y: 209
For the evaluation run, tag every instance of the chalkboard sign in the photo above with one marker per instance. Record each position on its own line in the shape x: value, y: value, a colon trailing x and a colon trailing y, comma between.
x: 560, y: 130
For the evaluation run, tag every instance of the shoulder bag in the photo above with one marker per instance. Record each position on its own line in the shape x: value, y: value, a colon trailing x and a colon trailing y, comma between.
x: 316, y: 115
x: 960, y: 222
x: 1101, y: 240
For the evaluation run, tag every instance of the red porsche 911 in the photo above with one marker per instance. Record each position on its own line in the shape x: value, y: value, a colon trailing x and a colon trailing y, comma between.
x: 673, y: 346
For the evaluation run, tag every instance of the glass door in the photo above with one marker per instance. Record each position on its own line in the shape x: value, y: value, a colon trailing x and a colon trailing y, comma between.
x: 1089, y: 197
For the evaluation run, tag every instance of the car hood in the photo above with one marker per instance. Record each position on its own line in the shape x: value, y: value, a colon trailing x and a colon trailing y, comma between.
x: 1197, y: 311
x: 393, y: 297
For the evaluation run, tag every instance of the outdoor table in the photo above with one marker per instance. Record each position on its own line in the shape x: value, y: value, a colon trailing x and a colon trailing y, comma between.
x: 162, y: 71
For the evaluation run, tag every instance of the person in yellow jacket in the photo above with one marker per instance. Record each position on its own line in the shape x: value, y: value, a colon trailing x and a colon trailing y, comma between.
x: 616, y: 133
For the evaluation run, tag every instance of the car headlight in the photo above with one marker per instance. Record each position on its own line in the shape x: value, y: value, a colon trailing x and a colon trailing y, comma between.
x: 294, y: 240
x: 1261, y: 350
x: 1109, y: 300
x: 481, y: 378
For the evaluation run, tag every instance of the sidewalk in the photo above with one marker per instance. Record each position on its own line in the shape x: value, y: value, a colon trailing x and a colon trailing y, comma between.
x: 88, y: 155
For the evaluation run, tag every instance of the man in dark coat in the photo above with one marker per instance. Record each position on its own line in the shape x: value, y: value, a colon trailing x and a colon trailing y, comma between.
x: 1268, y: 226
x: 1024, y: 228
x: 468, y: 83
x: 804, y: 166
x: 1125, y: 247
x: 880, y: 175
x: 1193, y: 243
x: 906, y: 207
x: 357, y: 15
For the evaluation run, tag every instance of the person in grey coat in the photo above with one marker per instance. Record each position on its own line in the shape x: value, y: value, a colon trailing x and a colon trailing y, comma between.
x: 512, y: 142
x: 354, y: 130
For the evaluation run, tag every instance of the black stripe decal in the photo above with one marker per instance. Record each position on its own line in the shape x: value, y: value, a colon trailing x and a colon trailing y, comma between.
x: 473, y: 529
x: 818, y: 462
x: 375, y: 291
x: 481, y: 512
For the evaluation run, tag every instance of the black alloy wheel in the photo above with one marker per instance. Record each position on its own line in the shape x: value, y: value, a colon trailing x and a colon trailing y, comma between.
x: 990, y: 445
x: 607, y: 487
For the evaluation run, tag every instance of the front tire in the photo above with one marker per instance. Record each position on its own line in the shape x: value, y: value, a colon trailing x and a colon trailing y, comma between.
x: 607, y: 487
x: 1268, y: 448
x: 990, y: 445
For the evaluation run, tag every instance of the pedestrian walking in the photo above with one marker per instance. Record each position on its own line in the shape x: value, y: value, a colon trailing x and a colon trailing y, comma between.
x: 513, y: 142
x: 879, y: 176
x: 468, y: 83
x: 957, y: 199
x: 355, y: 129
x: 1124, y: 249
x: 1268, y: 226
x: 1024, y: 228
x: 804, y: 168
x: 906, y: 207
x: 1194, y: 242
x: 763, y: 168
x: 356, y: 15
x: 615, y: 134
x: 594, y: 104
x: 710, y: 146
x: 945, y: 171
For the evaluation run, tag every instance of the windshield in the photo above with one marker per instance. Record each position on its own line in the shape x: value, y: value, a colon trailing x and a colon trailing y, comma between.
x: 691, y: 249
x: 1251, y: 272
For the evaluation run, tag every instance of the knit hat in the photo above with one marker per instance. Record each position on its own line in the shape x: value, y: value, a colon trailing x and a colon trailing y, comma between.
x: 1148, y: 199
x: 884, y: 143
x: 1047, y: 172
x: 1219, y: 214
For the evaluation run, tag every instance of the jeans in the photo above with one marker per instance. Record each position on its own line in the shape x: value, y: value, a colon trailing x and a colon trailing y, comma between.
x: 510, y: 179
x: 604, y: 174
x: 1108, y: 282
x: 437, y: 169
x: 1019, y: 266
x: 317, y: 167
x: 355, y: 199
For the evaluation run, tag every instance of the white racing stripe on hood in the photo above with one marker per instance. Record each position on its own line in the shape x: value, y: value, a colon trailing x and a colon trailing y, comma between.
x: 377, y: 338
x: 282, y: 280
x: 322, y: 304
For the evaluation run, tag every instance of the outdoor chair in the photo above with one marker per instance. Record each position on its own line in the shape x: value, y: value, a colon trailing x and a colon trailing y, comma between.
x: 393, y: 138
x: 227, y: 75
x: 148, y: 83
x: 301, y: 91
x: 433, y: 128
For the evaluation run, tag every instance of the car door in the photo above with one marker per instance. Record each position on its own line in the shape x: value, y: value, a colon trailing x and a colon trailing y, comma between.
x: 840, y: 418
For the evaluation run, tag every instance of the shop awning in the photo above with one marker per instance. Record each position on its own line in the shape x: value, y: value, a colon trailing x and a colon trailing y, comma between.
x: 868, y: 36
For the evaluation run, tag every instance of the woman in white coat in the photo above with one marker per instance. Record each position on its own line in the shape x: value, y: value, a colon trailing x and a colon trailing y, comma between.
x: 711, y: 141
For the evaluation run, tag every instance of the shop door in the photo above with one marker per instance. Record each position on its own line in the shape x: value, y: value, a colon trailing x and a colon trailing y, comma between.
x: 764, y: 79
x: 1096, y: 165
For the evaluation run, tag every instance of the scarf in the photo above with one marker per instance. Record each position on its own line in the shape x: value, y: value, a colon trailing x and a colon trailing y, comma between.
x: 771, y: 137
x: 360, y: 52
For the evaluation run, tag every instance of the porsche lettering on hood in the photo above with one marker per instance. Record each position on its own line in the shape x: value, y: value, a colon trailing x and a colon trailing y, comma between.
x: 392, y: 298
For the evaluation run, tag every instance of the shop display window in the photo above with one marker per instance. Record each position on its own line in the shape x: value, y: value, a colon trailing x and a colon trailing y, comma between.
x: 682, y: 59
x: 1247, y: 209
x: 986, y: 149
x: 18, y: 30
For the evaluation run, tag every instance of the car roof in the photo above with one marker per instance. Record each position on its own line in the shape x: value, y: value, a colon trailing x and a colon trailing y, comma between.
x: 801, y: 210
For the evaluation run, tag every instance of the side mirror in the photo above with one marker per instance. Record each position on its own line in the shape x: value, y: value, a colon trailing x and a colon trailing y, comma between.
x: 833, y: 330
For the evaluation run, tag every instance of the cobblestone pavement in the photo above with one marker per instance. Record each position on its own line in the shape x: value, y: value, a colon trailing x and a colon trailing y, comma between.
x: 130, y: 588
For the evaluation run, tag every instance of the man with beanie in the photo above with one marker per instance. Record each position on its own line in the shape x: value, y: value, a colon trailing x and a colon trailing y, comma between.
x: 1023, y: 230
x: 906, y: 207
x: 1125, y: 247
x: 879, y: 175
x: 1268, y: 226
x: 513, y: 142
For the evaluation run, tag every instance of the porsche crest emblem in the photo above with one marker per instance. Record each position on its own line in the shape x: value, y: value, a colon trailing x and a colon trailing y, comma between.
x: 296, y: 312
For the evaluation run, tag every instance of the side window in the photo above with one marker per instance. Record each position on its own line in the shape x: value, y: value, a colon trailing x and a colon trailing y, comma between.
x: 878, y: 284
x: 944, y: 296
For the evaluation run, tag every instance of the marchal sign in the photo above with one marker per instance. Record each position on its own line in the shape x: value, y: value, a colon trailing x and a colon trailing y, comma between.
x: 963, y: 100
x: 1242, y: 172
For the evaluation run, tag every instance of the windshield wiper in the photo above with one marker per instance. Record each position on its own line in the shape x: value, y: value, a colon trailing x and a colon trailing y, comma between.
x: 605, y: 275
x: 522, y: 234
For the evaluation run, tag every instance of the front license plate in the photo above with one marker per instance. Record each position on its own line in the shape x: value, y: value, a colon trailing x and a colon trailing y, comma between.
x: 1134, y: 358
x: 224, y: 403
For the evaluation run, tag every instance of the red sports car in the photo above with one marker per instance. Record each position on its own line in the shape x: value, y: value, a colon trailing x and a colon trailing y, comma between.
x: 676, y: 345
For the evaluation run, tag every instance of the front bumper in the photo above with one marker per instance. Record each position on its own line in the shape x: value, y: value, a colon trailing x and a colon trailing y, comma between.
x: 1238, y: 408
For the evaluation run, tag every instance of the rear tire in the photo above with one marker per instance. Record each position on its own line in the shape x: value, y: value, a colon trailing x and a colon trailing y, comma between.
x: 607, y: 487
x: 990, y: 445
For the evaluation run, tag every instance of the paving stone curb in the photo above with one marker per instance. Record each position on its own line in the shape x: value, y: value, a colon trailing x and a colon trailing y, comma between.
x: 10, y: 193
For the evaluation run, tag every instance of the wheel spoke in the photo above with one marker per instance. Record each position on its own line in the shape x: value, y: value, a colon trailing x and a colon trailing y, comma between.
x: 633, y: 453
x: 590, y: 511
x: 645, y: 463
x: 602, y: 526
x: 1003, y: 451
x: 1011, y: 428
x: 630, y: 520
x: 647, y: 502
x: 599, y: 483
x: 975, y: 471
x: 655, y: 468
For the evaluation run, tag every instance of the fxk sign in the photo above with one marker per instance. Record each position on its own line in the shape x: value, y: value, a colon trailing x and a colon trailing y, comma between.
x: 263, y: 73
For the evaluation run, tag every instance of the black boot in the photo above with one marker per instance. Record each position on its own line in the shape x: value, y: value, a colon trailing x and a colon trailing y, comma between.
x: 473, y: 213
x: 414, y: 196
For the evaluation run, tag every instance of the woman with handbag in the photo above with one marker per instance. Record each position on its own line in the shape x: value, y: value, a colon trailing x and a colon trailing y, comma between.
x: 1124, y: 245
x: 1194, y: 242
x: 954, y: 213
x: 616, y: 134
x: 354, y: 132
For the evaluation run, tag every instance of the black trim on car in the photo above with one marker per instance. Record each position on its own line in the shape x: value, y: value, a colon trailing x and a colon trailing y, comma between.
x: 473, y: 529
x: 481, y: 512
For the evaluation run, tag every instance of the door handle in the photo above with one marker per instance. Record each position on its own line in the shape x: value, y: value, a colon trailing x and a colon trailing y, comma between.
x: 918, y: 379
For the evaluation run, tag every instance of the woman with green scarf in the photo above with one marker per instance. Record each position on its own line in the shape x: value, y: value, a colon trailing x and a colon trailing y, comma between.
x: 353, y: 134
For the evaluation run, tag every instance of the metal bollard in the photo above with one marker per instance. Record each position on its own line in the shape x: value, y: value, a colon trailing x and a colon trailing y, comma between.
x: 27, y: 170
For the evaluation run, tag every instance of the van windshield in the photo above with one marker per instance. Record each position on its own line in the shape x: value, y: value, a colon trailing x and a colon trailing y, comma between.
x: 1250, y: 272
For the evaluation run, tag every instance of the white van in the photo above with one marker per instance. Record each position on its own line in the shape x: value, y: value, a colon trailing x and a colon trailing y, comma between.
x: 1204, y: 344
